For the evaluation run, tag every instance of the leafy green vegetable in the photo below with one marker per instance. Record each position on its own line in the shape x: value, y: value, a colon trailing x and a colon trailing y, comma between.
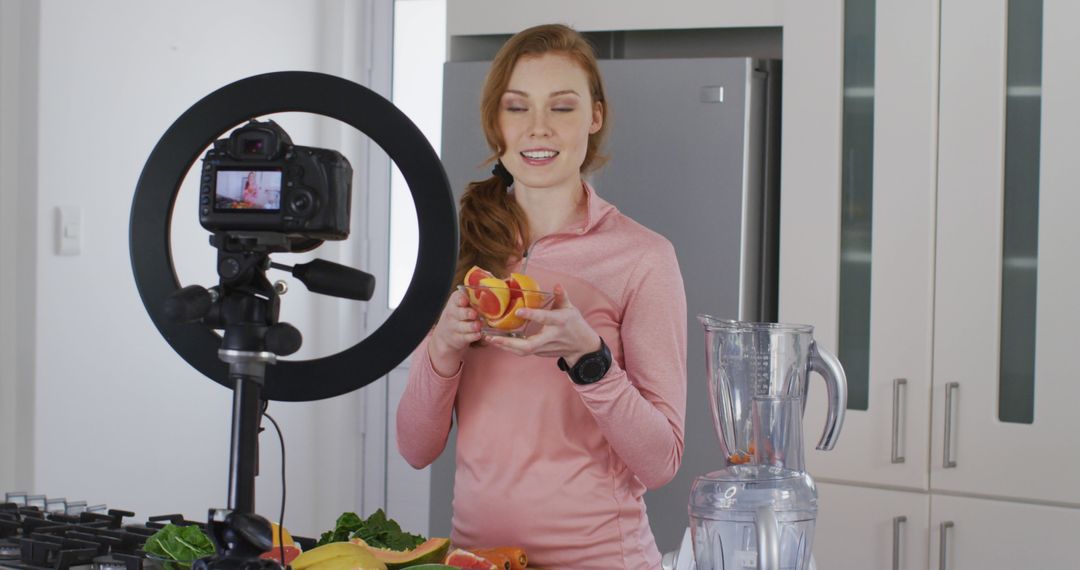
x: 180, y: 543
x: 378, y: 531
x: 347, y: 524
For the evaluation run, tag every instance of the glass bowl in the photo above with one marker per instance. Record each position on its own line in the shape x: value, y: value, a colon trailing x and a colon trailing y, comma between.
x: 508, y: 299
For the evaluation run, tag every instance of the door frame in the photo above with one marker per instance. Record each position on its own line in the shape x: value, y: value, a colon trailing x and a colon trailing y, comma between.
x: 19, y: 31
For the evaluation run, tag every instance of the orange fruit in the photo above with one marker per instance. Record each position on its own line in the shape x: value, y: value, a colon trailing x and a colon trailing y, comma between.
x: 472, y: 279
x: 509, y: 321
x: 474, y: 275
x: 529, y: 288
x: 494, y: 298
x: 285, y: 536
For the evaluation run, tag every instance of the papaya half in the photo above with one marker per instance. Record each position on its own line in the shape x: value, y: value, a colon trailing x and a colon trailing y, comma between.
x: 433, y: 550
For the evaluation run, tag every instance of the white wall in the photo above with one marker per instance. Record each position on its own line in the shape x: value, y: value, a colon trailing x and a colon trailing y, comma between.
x: 118, y: 418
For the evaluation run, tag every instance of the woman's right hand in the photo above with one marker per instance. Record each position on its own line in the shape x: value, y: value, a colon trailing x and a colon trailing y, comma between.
x: 458, y: 327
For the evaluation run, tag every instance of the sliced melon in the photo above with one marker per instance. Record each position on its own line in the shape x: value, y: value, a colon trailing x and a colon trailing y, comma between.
x: 431, y: 551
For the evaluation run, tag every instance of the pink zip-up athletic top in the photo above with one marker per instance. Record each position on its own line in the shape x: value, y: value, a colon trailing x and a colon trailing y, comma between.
x: 542, y: 463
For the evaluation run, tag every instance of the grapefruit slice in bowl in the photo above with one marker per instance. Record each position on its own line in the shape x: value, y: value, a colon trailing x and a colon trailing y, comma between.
x: 472, y: 279
x: 492, y: 297
x: 498, y: 315
x: 527, y: 288
x: 510, y: 320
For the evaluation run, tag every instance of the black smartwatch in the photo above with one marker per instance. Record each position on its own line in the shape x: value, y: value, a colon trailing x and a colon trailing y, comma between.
x: 589, y: 368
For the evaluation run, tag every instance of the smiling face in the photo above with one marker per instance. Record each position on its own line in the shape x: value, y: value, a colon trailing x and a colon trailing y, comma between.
x: 545, y: 117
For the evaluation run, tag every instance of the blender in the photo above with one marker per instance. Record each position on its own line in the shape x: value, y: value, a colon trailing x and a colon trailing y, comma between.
x: 759, y: 510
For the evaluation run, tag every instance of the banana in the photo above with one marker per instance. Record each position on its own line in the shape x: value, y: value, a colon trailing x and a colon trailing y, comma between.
x: 366, y: 562
x: 331, y: 551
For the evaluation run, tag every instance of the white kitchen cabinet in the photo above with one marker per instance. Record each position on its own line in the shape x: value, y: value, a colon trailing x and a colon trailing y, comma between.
x: 860, y: 527
x: 885, y: 442
x: 936, y: 250
x: 982, y: 534
x: 969, y: 277
x: 989, y: 433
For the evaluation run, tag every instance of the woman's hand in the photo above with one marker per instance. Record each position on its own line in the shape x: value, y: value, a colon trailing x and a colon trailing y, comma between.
x: 458, y: 327
x: 565, y: 332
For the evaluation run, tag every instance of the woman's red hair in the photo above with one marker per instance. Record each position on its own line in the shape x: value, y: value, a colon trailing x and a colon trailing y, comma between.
x: 494, y: 230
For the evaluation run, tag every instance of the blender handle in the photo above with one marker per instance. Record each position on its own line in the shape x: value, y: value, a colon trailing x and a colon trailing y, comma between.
x: 828, y: 366
x: 768, y: 538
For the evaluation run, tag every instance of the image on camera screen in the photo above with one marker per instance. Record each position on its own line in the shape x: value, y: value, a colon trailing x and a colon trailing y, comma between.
x: 248, y: 190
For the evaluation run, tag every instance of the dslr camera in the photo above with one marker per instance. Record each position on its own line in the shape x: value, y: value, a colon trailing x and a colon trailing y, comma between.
x: 257, y: 180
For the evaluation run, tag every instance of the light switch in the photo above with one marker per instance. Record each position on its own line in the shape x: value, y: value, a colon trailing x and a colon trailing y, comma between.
x: 68, y: 230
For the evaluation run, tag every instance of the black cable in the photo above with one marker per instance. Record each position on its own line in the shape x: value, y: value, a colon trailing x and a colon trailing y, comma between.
x: 281, y: 518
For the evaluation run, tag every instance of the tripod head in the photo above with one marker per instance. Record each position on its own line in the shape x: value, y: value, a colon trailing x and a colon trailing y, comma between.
x: 239, y: 538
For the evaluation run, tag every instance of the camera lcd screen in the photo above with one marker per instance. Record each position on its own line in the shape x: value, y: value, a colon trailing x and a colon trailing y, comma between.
x: 254, y: 190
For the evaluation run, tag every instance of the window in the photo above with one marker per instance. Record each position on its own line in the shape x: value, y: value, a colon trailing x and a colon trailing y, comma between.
x: 419, y: 54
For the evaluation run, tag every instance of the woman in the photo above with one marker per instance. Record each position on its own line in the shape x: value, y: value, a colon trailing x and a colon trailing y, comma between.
x: 250, y: 194
x: 560, y: 434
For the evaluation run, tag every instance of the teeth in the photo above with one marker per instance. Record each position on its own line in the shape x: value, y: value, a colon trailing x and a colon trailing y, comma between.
x: 539, y: 154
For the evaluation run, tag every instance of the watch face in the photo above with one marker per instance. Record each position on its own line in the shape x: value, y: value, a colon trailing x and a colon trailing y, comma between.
x: 592, y: 369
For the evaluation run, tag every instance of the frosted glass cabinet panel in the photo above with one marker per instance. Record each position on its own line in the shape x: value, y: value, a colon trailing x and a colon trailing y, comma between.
x: 1020, y: 224
x: 1006, y: 306
x: 857, y: 200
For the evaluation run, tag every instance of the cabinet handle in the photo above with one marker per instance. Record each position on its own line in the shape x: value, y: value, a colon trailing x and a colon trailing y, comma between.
x: 896, y: 418
x: 896, y: 522
x: 950, y: 389
x: 943, y: 558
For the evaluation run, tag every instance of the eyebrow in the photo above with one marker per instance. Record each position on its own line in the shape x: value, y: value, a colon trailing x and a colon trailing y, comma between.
x: 553, y: 93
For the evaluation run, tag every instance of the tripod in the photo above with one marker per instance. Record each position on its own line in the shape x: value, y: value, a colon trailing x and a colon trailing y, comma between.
x: 246, y: 307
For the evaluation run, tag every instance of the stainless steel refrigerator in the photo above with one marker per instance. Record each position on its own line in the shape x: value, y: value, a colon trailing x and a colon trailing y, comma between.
x: 694, y: 146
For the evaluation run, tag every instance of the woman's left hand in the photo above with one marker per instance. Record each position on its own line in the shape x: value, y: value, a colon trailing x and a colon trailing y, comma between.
x: 565, y: 332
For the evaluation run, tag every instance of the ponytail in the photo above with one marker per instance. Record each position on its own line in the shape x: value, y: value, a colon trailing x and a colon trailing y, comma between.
x: 493, y: 227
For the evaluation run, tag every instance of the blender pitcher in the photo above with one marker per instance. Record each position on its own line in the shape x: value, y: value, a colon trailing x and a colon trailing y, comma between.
x: 758, y: 511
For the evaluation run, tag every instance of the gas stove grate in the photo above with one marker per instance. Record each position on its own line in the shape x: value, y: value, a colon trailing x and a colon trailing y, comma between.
x: 31, y: 539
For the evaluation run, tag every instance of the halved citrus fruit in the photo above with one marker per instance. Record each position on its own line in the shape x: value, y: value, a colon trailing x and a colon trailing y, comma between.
x: 472, y: 279
x: 492, y: 297
x: 526, y: 287
x: 509, y: 321
x: 284, y: 534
